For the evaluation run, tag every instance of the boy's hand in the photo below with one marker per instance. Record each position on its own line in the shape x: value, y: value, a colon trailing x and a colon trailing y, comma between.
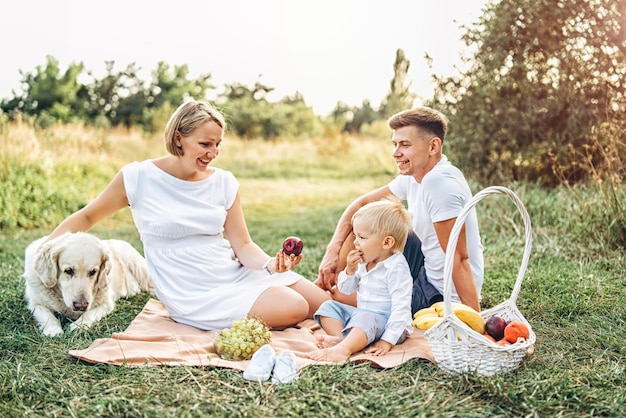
x: 379, y: 348
x: 353, y: 260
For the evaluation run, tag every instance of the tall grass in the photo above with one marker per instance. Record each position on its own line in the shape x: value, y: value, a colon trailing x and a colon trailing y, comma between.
x: 603, y: 160
x: 573, y: 292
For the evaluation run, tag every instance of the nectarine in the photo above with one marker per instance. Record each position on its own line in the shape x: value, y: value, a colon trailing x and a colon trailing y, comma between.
x: 515, y: 330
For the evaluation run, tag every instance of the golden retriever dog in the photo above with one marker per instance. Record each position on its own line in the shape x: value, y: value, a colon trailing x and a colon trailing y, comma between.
x: 80, y: 276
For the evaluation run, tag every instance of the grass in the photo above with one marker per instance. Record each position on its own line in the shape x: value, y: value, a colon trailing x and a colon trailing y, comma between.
x: 572, y: 294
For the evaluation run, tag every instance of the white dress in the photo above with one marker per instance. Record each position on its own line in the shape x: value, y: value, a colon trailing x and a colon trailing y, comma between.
x: 195, y: 272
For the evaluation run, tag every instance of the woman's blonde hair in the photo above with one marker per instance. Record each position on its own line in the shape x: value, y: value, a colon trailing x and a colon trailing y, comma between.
x: 186, y: 118
x: 387, y: 217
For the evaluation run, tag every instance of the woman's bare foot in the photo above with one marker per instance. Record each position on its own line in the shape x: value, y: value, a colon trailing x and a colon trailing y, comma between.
x: 335, y: 354
x: 326, y: 341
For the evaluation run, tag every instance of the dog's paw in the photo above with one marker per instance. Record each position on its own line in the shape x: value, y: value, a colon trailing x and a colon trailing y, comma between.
x: 74, y: 326
x: 52, y: 330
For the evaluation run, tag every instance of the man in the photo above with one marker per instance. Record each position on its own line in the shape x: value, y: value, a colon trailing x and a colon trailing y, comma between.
x: 435, y: 192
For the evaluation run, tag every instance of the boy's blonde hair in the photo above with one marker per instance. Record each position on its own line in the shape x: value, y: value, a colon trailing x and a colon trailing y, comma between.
x: 387, y: 217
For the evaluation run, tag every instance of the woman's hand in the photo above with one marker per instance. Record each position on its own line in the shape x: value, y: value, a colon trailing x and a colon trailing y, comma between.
x: 284, y: 262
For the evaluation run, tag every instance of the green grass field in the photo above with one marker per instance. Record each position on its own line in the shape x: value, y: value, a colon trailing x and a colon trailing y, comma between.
x: 573, y: 294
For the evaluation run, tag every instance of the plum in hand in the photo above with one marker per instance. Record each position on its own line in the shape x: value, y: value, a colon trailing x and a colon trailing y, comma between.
x: 293, y: 245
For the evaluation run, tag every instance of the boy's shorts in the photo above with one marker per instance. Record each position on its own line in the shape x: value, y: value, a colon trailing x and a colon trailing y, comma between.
x: 371, y: 323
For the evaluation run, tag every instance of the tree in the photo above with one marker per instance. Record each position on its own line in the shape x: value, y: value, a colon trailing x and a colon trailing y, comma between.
x: 248, y: 110
x: 251, y: 115
x: 399, y: 96
x: 545, y: 80
x: 48, y: 92
x: 296, y: 119
x: 173, y: 85
x: 361, y: 116
x: 169, y: 87
x: 101, y: 97
x: 131, y: 99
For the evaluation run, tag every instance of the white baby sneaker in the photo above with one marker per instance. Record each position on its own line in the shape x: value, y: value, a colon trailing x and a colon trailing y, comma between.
x: 261, y: 364
x: 286, y: 368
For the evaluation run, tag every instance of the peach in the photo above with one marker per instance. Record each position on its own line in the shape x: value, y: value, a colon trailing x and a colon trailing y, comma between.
x: 515, y: 330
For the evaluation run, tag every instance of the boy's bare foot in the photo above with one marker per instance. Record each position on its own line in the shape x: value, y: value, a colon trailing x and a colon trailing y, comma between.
x: 335, y: 354
x: 325, y: 341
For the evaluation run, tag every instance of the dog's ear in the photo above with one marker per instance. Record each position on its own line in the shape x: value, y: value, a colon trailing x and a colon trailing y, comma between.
x: 46, y: 263
x: 105, y: 269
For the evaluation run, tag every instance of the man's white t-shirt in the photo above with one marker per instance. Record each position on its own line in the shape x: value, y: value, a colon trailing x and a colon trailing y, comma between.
x: 440, y: 196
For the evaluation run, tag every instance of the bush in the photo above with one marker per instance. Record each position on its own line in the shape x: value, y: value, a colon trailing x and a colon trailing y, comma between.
x: 32, y: 197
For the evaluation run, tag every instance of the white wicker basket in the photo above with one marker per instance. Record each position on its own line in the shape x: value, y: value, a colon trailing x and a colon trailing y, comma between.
x: 456, y: 347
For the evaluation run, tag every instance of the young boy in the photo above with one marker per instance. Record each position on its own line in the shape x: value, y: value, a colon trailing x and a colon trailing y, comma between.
x: 380, y: 274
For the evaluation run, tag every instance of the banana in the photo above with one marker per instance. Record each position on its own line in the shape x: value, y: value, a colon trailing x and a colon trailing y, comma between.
x: 425, y: 311
x: 426, y: 321
x: 466, y: 314
x: 438, y: 306
x: 471, y: 318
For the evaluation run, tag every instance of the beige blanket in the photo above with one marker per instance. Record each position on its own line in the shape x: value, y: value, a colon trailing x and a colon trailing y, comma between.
x: 153, y: 339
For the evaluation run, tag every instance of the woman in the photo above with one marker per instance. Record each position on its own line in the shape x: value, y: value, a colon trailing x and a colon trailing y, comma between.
x: 182, y: 208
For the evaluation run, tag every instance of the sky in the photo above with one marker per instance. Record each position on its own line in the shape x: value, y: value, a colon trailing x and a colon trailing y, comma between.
x: 327, y: 50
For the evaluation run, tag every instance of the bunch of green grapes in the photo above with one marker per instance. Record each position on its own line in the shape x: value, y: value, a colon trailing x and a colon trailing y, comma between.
x: 241, y: 341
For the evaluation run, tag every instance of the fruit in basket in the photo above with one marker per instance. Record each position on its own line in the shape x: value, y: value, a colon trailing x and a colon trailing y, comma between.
x: 469, y: 315
x: 425, y: 311
x: 516, y: 330
x: 293, y: 245
x: 241, y: 341
x: 425, y: 320
x: 494, y: 326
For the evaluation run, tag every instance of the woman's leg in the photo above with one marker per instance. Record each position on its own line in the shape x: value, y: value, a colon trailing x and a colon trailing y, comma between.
x: 313, y: 294
x: 280, y: 307
x: 283, y: 306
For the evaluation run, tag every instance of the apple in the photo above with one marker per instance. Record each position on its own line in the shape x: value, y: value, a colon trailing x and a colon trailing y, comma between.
x: 293, y: 245
x: 495, y: 327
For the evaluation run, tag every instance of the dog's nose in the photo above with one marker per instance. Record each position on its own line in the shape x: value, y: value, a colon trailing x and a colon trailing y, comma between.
x: 81, y: 305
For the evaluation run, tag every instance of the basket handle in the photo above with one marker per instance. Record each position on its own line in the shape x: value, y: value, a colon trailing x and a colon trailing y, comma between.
x: 454, y: 237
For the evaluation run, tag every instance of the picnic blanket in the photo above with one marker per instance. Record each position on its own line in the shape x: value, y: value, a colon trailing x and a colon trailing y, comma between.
x: 154, y: 339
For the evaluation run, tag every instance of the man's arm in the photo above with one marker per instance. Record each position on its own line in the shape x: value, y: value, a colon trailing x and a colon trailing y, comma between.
x: 336, y: 251
x: 462, y: 276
